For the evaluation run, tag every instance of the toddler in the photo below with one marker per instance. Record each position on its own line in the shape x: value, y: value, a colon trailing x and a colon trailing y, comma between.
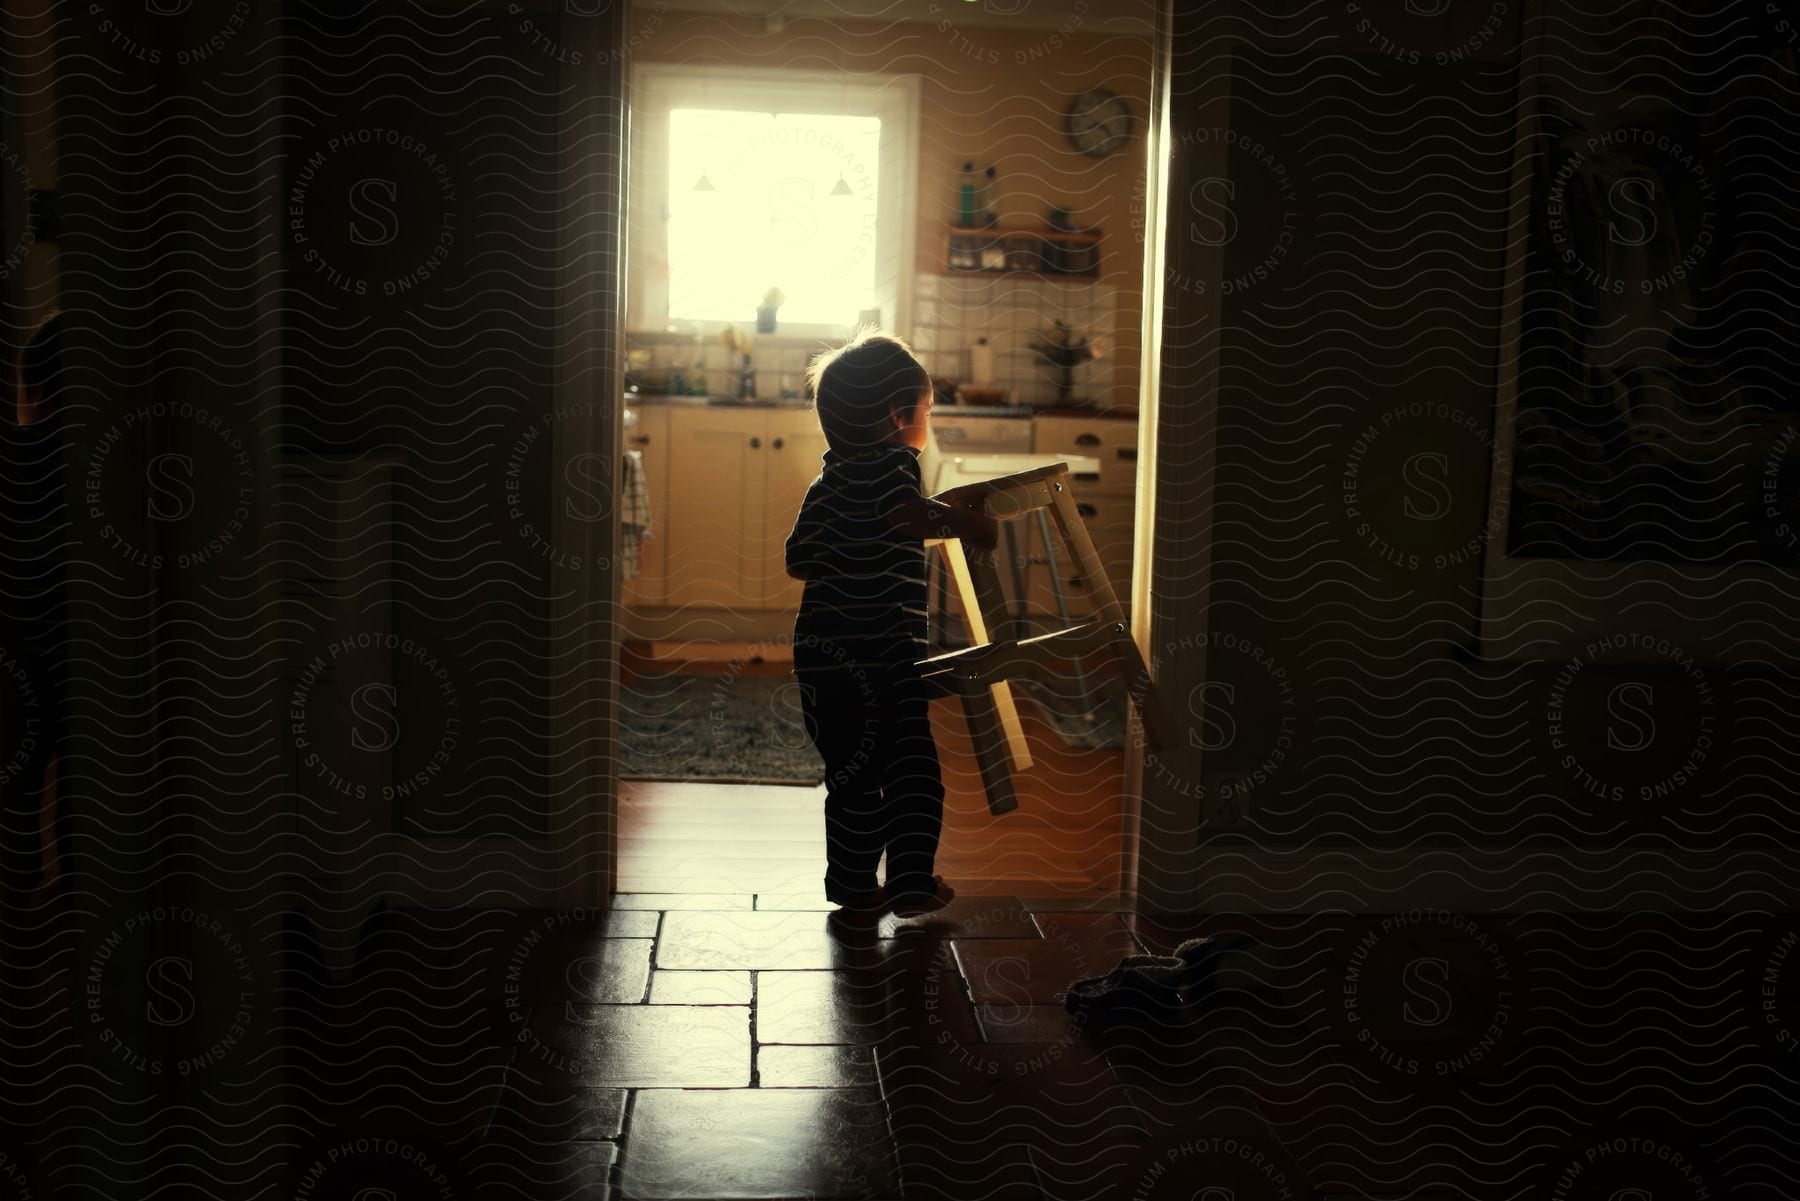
x: 858, y: 543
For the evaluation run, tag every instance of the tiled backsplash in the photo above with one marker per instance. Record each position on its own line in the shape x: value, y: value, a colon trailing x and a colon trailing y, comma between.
x: 949, y: 313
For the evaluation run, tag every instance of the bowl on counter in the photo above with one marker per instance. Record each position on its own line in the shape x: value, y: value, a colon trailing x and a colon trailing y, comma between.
x: 974, y: 394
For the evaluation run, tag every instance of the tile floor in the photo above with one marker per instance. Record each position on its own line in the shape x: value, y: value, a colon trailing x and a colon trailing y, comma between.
x: 710, y: 1049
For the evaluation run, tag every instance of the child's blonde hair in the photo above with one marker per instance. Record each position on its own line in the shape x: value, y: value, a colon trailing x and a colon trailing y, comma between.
x: 859, y: 386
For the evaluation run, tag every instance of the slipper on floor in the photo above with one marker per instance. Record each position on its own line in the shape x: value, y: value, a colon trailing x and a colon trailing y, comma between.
x: 1152, y: 983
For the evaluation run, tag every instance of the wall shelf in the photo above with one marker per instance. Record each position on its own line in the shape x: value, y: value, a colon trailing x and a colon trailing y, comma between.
x: 1035, y: 251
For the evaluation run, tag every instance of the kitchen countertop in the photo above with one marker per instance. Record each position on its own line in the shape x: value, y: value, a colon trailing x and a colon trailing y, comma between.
x: 710, y: 402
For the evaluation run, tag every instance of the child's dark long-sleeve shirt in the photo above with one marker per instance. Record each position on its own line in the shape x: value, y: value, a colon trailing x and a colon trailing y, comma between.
x: 865, y: 595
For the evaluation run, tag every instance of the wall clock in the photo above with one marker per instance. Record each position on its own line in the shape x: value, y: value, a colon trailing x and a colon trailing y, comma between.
x: 1098, y: 122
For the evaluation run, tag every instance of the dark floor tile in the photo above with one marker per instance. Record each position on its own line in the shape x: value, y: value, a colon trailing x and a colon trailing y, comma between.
x: 1160, y: 933
x: 1038, y: 970
x: 1028, y: 1023
x: 634, y: 1046
x: 533, y: 1113
x: 819, y: 1007
x: 814, y: 1067
x: 421, y: 939
x: 1056, y: 924
x: 965, y: 917
x: 453, y: 1098
x: 751, y: 940
x: 1427, y: 1003
x: 700, y: 988
x: 611, y: 922
x: 1273, y: 1063
x: 1098, y: 1171
x: 535, y: 1171
x: 768, y: 1143
x: 932, y: 1169
x: 581, y: 967
x: 1227, y: 1153
x: 969, y: 1094
x: 966, y: 1116
x: 632, y: 923
x: 362, y: 1157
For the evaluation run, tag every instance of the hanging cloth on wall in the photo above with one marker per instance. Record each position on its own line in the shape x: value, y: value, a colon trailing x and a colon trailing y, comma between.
x: 634, y: 512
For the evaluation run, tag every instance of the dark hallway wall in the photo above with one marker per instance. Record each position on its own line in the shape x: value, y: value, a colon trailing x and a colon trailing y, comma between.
x: 337, y: 281
x: 1341, y: 228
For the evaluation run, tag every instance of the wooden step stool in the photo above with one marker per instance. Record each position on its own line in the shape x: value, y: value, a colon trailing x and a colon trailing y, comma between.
x: 978, y: 675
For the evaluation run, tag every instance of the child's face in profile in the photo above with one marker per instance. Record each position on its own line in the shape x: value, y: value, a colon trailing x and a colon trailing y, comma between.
x: 917, y: 431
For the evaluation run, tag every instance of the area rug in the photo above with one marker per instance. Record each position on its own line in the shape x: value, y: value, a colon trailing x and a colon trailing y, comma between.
x: 728, y: 727
x: 1091, y: 721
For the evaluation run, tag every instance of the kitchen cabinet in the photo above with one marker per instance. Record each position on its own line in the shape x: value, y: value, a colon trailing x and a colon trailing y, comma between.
x: 796, y: 447
x: 735, y: 485
x: 731, y: 481
x: 1107, y: 501
x: 650, y: 436
x: 1111, y: 440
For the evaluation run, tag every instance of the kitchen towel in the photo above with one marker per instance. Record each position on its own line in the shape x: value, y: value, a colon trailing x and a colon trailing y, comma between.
x: 634, y: 514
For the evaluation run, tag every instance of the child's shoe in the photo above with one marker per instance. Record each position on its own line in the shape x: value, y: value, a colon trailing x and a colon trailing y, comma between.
x: 857, y: 913
x: 913, y: 903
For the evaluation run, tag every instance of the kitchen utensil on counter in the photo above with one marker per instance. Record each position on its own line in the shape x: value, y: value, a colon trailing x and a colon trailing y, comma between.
x: 650, y: 381
x: 981, y: 362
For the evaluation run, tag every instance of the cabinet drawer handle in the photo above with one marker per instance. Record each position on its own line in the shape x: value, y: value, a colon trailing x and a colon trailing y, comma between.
x: 1128, y: 453
x: 1087, y: 510
x: 778, y: 444
x: 755, y: 443
x: 642, y: 440
x: 1087, y: 439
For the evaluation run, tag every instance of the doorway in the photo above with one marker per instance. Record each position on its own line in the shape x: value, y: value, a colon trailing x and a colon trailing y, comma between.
x: 992, y: 212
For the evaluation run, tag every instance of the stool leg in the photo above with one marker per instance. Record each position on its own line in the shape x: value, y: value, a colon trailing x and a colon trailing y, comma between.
x: 1062, y: 605
x: 1126, y: 656
x: 987, y: 731
x: 978, y: 584
x: 1087, y: 559
x: 1019, y: 621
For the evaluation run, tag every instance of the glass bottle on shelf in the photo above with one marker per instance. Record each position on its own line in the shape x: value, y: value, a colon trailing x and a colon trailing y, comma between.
x: 965, y: 197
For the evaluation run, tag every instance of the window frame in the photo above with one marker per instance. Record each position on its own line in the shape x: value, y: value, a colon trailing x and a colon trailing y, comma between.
x: 659, y: 87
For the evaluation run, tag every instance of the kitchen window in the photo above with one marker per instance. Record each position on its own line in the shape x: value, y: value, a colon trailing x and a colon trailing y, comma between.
x: 743, y: 181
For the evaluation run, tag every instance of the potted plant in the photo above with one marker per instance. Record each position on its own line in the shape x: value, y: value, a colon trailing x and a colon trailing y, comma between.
x: 1064, y: 349
x: 765, y: 312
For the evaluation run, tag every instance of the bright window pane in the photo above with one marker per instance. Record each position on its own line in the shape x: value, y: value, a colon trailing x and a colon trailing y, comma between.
x: 773, y: 219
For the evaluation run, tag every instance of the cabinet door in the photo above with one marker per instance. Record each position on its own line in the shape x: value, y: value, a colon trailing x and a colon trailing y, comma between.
x: 796, y: 446
x: 651, y: 437
x: 716, y: 507
x: 1111, y: 440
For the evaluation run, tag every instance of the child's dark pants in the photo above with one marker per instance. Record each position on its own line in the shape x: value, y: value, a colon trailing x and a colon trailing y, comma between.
x: 884, y: 788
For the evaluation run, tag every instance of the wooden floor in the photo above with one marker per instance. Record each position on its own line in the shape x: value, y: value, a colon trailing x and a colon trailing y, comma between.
x: 1063, y: 843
